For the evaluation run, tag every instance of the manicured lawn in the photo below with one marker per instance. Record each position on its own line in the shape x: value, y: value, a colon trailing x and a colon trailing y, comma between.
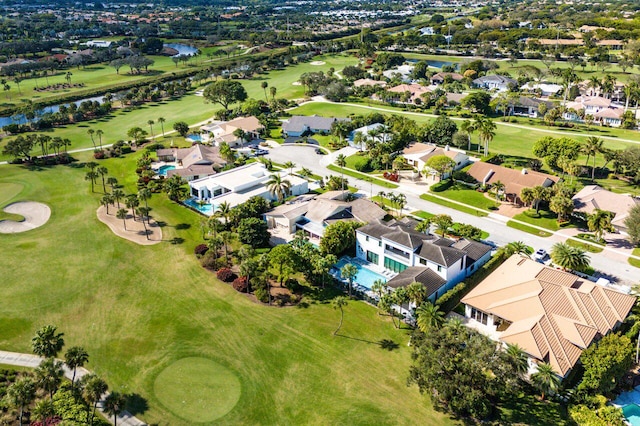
x: 362, y: 176
x: 469, y: 196
x: 8, y: 193
x: 529, y: 229
x: 635, y: 262
x: 453, y: 205
x: 140, y: 310
x: 584, y: 246
x: 544, y: 219
x: 422, y: 214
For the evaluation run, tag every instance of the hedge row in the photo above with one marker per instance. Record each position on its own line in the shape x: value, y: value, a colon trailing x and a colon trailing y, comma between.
x: 451, y: 298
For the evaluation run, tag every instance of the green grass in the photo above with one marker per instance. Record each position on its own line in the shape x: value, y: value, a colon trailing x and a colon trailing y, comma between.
x: 446, y: 203
x: 422, y: 214
x: 8, y: 193
x: 635, y: 262
x: 198, y: 389
x: 362, y: 176
x: 529, y: 229
x: 469, y: 196
x: 584, y: 246
x: 544, y: 219
x: 138, y: 310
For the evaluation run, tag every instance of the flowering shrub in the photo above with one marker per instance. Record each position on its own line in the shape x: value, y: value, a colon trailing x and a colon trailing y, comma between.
x: 226, y: 275
x: 200, y: 250
x: 240, y: 284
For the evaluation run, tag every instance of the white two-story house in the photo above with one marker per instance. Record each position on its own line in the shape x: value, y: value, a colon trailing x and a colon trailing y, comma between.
x: 439, y: 263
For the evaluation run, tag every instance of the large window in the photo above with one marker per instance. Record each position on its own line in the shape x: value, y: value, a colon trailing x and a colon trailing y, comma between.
x: 479, y: 316
x: 372, y: 257
x: 394, y: 265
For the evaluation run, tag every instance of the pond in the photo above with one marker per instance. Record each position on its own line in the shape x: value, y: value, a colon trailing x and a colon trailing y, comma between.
x: 21, y: 119
x: 182, y: 49
x: 436, y: 64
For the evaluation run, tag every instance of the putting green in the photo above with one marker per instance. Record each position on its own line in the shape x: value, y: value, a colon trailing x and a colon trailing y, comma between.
x: 197, y: 389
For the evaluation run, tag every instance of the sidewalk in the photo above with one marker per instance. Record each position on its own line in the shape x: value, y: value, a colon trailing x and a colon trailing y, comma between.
x: 33, y: 361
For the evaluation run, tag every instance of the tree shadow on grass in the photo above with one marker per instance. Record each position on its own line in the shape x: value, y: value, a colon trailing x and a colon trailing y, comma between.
x: 182, y: 226
x: 324, y: 295
x: 388, y: 344
x: 161, y: 223
x: 176, y: 240
x: 136, y: 404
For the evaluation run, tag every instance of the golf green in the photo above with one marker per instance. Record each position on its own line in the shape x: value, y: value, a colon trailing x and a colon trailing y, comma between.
x: 197, y: 389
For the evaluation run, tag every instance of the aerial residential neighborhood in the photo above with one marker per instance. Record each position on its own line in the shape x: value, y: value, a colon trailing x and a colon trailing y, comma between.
x: 319, y: 213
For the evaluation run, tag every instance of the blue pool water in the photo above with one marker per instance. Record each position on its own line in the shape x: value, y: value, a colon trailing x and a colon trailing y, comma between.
x: 195, y: 138
x: 162, y: 171
x: 204, y: 208
x: 365, y: 277
x: 632, y: 414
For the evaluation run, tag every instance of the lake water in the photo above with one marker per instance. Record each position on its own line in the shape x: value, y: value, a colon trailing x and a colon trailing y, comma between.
x: 21, y: 119
x: 182, y: 49
x: 436, y: 64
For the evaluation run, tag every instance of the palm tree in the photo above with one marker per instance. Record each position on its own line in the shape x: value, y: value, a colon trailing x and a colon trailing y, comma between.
x: 93, y: 389
x: 539, y: 193
x: 114, y: 405
x: 47, y: 342
x: 339, y: 303
x: 568, y: 257
x: 264, y: 86
x: 400, y: 201
x: 106, y: 201
x: 132, y: 202
x: 599, y: 222
x: 102, y: 171
x: 498, y: 186
x: 20, y: 394
x: 545, y: 379
x: 161, y: 120
x: 593, y: 145
x: 118, y: 194
x: 487, y: 132
x: 517, y: 247
x: 416, y: 292
x: 91, y: 132
x: 223, y: 211
x: 113, y: 182
x: 122, y: 214
x: 341, y: 161
x: 273, y: 91
x: 289, y: 165
x: 518, y: 359
x: 227, y: 237
x: 91, y: 176
x: 385, y: 304
x: 429, y: 316
x: 349, y: 272
x: 151, y: 123
x: 468, y: 128
x: 43, y: 411
x: 100, y: 132
x: 143, y: 195
x: 49, y: 375
x: 76, y: 356
x: 278, y: 187
x: 379, y: 287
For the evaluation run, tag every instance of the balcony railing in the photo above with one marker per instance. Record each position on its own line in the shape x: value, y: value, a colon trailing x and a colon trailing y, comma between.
x: 395, y: 252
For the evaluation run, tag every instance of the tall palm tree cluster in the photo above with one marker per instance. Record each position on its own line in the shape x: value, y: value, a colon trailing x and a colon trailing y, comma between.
x: 40, y: 393
x: 393, y: 200
x: 113, y: 197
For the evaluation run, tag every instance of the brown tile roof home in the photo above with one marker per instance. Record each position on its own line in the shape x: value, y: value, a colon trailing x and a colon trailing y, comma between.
x: 551, y: 314
x: 369, y: 82
x: 593, y: 197
x: 440, y: 77
x: 196, y: 155
x: 514, y: 180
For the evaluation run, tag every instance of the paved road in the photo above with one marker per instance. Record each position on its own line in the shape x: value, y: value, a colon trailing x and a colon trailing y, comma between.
x: 29, y: 360
x: 611, y: 264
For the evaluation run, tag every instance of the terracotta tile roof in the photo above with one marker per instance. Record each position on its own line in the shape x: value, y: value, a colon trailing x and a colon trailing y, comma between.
x: 554, y: 315
x: 513, y: 179
x: 593, y: 197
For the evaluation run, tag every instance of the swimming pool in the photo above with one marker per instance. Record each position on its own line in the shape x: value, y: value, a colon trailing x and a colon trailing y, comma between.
x: 632, y: 414
x: 365, y: 277
x: 195, y: 138
x: 206, y: 209
x: 162, y: 171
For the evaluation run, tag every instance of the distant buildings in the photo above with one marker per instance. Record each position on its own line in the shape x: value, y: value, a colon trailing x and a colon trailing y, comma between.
x: 494, y: 82
x: 299, y: 125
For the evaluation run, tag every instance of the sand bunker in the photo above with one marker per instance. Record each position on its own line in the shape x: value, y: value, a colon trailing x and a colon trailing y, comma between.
x: 135, y: 228
x: 317, y: 63
x: 35, y: 215
x: 297, y: 83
